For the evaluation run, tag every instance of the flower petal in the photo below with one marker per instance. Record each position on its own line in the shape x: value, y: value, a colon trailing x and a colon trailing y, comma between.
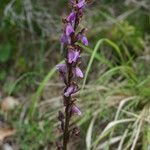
x: 80, y: 4
x: 71, y: 18
x: 78, y: 73
x: 76, y: 110
x: 64, y: 39
x: 61, y: 68
x: 69, y: 30
x: 73, y: 56
x: 84, y: 41
x: 69, y: 91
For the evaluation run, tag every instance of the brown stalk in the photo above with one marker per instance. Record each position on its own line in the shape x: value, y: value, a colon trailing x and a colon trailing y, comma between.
x: 68, y: 99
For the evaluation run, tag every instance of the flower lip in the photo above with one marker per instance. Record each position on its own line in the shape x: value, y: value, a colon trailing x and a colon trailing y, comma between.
x: 64, y: 39
x: 80, y: 4
x: 76, y: 110
x: 73, y: 56
x: 69, y: 29
x: 70, y: 90
x: 83, y: 39
x: 77, y: 72
x: 71, y: 18
x: 61, y: 68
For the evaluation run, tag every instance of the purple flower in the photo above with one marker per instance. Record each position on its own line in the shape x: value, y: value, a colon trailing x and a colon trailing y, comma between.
x: 80, y: 4
x: 76, y: 110
x: 69, y: 29
x: 77, y: 72
x: 70, y: 90
x: 83, y: 39
x: 73, y: 56
x: 72, y: 17
x: 61, y: 68
x: 64, y: 39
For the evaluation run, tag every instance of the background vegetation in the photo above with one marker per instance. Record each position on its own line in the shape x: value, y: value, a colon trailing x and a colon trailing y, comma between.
x: 115, y: 91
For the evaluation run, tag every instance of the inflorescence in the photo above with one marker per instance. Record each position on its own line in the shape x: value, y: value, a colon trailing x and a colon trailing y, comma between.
x: 70, y: 70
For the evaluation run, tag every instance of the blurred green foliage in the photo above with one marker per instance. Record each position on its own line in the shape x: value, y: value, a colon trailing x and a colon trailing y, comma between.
x: 5, y: 52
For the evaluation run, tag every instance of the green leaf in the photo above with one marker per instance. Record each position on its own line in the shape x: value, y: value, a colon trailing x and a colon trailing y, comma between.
x: 5, y: 51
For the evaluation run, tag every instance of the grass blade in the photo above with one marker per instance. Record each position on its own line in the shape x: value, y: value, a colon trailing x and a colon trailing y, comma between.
x: 36, y: 96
